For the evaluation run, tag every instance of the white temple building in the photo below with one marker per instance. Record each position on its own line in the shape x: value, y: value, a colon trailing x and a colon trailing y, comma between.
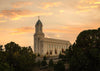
x: 48, y: 46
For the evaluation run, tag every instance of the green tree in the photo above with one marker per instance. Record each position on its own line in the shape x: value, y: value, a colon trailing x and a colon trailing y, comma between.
x: 85, y: 53
x: 44, y: 58
x: 20, y: 58
x: 63, y: 57
x: 1, y: 47
x: 44, y: 63
x: 59, y: 66
x: 51, y: 64
x: 5, y: 67
x: 38, y: 63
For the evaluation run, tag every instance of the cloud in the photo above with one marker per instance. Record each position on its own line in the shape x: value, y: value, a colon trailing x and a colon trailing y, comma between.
x: 56, y: 31
x: 47, y: 5
x: 25, y: 30
x: 67, y: 29
x: 97, y: 3
x: 1, y: 21
x: 22, y: 30
x: 17, y: 14
x: 87, y: 5
x: 21, y: 4
x: 61, y: 11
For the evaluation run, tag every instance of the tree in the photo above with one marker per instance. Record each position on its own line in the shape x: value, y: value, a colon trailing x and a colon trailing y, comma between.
x: 85, y: 52
x: 51, y: 64
x: 38, y: 63
x: 5, y: 67
x: 44, y: 58
x: 63, y: 57
x: 20, y: 58
x: 44, y: 63
x: 59, y: 66
x: 1, y: 47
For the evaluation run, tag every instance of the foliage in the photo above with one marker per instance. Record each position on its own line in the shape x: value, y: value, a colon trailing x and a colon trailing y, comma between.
x: 38, y: 63
x: 59, y: 66
x: 16, y: 58
x: 51, y: 64
x: 1, y: 47
x: 84, y: 55
x: 44, y: 58
x: 44, y: 63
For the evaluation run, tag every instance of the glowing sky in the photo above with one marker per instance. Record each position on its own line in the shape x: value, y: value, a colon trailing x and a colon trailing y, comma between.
x: 62, y: 19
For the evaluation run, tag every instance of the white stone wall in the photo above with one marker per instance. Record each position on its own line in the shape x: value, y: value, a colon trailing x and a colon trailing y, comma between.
x: 53, y: 46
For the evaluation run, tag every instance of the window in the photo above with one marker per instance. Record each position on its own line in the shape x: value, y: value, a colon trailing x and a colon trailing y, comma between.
x: 62, y: 50
x: 50, y: 52
x: 55, y: 51
x: 47, y: 53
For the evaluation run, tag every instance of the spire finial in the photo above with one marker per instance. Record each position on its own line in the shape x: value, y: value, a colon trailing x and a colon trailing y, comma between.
x: 38, y: 17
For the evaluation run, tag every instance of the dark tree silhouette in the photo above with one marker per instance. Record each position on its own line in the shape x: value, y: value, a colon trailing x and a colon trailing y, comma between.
x: 84, y: 55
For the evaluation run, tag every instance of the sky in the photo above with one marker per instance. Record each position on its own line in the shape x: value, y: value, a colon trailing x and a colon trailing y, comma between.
x: 62, y: 19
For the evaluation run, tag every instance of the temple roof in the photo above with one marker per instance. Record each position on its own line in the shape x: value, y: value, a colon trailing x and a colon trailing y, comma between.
x: 39, y: 22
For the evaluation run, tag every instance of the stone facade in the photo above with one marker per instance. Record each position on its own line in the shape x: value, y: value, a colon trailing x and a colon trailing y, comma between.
x: 48, y: 46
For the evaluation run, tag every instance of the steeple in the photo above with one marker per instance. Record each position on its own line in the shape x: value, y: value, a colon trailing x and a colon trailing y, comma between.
x: 39, y: 23
x: 38, y: 28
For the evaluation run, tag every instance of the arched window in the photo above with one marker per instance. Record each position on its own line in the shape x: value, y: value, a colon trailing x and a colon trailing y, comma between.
x: 50, y: 52
x: 62, y: 50
x: 55, y: 51
x: 47, y: 53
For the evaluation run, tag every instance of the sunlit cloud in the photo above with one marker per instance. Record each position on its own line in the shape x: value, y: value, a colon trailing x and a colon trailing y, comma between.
x: 47, y: 5
x: 57, y: 36
x: 57, y: 31
x: 1, y: 15
x: 22, y: 30
x: 21, y: 4
x: 61, y: 11
x: 97, y: 3
x: 1, y: 21
x: 17, y: 14
x: 26, y: 30
x: 87, y: 5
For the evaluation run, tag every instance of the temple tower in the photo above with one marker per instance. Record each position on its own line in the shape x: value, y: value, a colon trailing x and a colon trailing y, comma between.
x: 38, y: 36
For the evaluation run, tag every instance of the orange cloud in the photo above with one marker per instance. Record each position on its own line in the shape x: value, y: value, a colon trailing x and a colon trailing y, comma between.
x: 47, y: 5
x: 1, y: 15
x: 21, y: 4
x: 68, y: 29
x: 56, y: 31
x: 61, y: 11
x: 17, y: 14
x: 22, y: 30
x: 97, y: 3
x: 1, y: 21
x: 87, y: 5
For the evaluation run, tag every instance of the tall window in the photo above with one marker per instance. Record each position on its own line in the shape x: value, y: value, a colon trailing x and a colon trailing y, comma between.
x: 50, y: 52
x: 55, y: 51
x: 62, y: 50
x: 47, y: 53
